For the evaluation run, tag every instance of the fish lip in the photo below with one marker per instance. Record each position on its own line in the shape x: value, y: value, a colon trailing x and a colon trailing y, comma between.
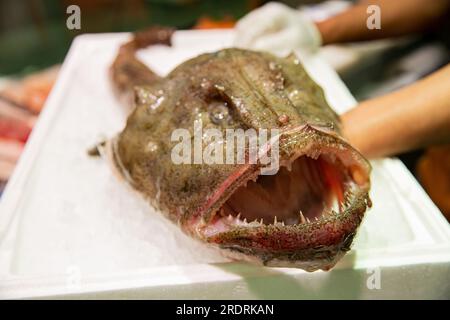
x: 329, y: 244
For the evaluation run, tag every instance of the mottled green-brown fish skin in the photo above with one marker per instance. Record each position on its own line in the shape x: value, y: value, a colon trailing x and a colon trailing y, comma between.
x: 259, y: 91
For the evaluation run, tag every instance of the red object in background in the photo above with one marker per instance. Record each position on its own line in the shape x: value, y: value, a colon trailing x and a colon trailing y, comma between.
x: 15, y: 130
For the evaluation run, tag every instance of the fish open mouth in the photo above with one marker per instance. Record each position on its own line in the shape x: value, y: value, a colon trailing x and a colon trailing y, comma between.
x: 305, y: 215
x: 305, y: 190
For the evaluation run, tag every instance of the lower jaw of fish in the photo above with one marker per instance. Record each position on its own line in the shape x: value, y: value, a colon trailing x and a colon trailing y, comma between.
x: 306, y: 215
x: 310, y: 245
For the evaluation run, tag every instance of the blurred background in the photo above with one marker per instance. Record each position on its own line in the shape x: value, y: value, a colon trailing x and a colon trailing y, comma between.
x: 34, y: 40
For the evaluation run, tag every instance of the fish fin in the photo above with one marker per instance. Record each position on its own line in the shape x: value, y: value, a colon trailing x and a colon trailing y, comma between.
x: 128, y: 72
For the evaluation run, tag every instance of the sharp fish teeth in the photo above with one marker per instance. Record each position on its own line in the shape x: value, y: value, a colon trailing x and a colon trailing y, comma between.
x: 230, y: 217
x: 239, y: 216
x: 302, y: 217
x: 275, y: 220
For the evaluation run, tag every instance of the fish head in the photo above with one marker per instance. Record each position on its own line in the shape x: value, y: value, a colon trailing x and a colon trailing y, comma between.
x: 304, y: 212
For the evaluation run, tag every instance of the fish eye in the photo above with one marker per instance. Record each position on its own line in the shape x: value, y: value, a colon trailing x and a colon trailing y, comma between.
x: 219, y: 112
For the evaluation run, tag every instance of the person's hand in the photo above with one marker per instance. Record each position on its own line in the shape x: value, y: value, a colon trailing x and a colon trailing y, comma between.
x: 276, y: 27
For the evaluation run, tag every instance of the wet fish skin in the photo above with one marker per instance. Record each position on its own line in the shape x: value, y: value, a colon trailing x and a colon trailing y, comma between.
x: 259, y: 91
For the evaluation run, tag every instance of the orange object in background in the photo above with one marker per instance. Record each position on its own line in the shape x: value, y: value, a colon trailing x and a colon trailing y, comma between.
x: 31, y: 91
x: 433, y: 170
x: 209, y: 23
x: 20, y: 103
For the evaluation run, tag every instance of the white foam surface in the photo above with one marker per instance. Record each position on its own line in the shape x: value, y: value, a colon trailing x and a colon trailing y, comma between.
x: 65, y: 209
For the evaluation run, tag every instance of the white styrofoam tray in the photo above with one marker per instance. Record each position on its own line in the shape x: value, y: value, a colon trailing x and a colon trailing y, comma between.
x: 69, y: 228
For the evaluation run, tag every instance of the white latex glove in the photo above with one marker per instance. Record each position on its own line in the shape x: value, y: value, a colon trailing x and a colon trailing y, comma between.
x: 277, y: 28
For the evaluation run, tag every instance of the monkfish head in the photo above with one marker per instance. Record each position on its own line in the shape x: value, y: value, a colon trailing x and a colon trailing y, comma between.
x: 301, y: 208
